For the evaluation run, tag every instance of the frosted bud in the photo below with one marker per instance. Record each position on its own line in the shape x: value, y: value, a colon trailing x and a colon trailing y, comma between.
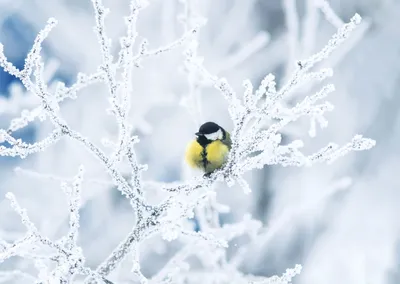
x: 359, y: 143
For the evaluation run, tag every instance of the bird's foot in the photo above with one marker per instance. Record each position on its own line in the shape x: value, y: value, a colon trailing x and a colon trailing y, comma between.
x: 207, y: 175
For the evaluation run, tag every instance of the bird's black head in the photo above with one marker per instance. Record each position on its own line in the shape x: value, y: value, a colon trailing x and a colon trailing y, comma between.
x: 209, y: 132
x: 208, y: 128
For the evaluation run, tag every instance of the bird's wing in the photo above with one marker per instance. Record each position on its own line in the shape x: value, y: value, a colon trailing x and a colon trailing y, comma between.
x: 227, y: 140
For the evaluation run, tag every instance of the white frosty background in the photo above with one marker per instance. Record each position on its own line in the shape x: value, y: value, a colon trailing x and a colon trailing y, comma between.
x: 349, y: 237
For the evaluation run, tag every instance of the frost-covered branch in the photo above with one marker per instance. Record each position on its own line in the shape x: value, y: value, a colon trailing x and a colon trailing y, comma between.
x: 31, y: 58
x: 22, y: 149
x: 67, y: 255
x: 62, y: 92
x: 119, y: 108
x: 50, y: 107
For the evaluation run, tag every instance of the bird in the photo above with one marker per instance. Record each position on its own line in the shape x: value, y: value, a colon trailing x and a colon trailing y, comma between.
x: 210, y: 149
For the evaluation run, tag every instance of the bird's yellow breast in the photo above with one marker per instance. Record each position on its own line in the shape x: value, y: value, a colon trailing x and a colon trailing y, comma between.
x: 194, y: 154
x: 217, y: 153
x: 210, y: 158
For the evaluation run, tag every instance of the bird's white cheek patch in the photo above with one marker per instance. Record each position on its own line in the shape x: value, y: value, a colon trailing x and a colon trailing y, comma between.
x: 215, y: 135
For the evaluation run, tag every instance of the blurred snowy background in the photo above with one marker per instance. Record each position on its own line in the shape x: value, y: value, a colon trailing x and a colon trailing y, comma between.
x: 350, y: 233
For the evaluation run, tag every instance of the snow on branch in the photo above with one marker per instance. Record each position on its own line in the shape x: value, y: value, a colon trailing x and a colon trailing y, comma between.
x: 62, y: 92
x: 22, y: 149
x: 66, y: 254
x: 32, y: 56
x: 253, y: 147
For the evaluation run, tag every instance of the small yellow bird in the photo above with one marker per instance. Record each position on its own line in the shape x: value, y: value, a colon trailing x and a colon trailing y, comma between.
x: 209, y: 151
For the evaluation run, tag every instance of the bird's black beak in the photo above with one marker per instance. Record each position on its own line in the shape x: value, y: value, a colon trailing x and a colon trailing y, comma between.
x: 198, y: 134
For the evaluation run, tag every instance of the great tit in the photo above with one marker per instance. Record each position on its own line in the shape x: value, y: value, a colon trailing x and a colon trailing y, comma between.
x: 209, y: 151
